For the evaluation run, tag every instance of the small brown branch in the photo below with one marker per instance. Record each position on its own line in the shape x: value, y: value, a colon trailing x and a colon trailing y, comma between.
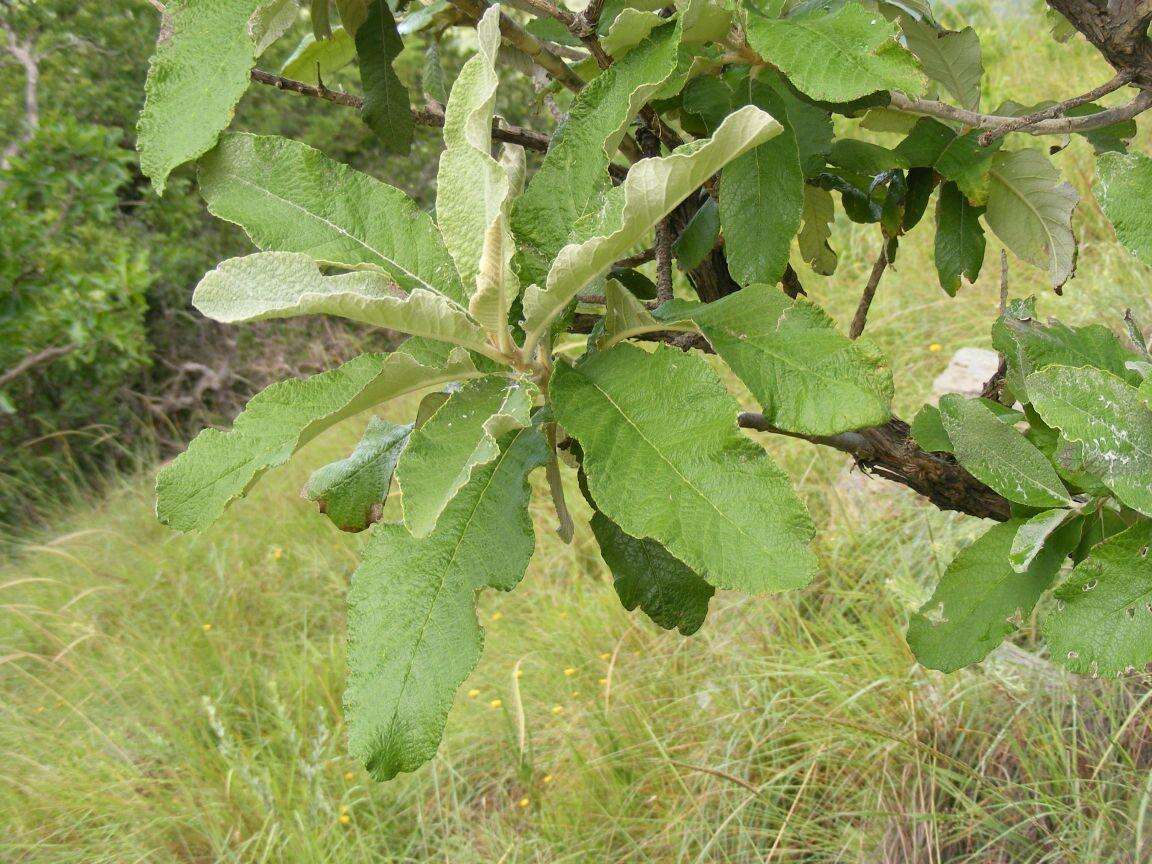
x: 636, y: 260
x: 516, y: 35
x: 860, y: 319
x: 428, y: 116
x: 30, y: 362
x: 1054, y: 126
x: 663, y: 261
x: 1021, y: 124
x: 589, y: 19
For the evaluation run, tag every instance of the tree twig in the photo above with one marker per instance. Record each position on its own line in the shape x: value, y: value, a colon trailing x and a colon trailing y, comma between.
x: 1021, y: 124
x: 516, y: 35
x: 860, y: 319
x: 30, y: 362
x: 1054, y: 126
x: 428, y: 116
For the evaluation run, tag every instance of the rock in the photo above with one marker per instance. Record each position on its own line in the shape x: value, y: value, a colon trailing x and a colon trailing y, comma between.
x: 967, y: 371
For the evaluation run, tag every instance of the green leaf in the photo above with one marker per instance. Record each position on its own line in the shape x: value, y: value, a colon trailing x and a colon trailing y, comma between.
x: 1106, y: 417
x: 321, y: 13
x: 197, y: 75
x: 646, y: 575
x: 762, y: 197
x: 219, y: 467
x: 352, y: 491
x: 959, y: 244
x: 864, y: 157
x: 432, y: 74
x: 837, y: 56
x: 458, y: 437
x: 386, y: 108
x: 324, y: 57
x: 1031, y: 211
x: 699, y: 236
x: 574, y: 174
x: 1113, y: 138
x: 413, y: 636
x: 1102, y: 624
x: 1032, y: 536
x: 959, y: 158
x: 289, y: 197
x: 651, y: 191
x: 471, y: 186
x: 626, y: 316
x: 1123, y: 185
x: 981, y: 599
x: 286, y: 284
x: 951, y: 57
x: 665, y: 460
x: 271, y: 21
x: 629, y: 29
x: 807, y: 376
x: 999, y: 455
x: 928, y: 428
x: 1029, y: 345
x: 817, y: 215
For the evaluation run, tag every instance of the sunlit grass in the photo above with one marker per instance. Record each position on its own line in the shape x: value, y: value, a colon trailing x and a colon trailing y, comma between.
x: 177, y: 698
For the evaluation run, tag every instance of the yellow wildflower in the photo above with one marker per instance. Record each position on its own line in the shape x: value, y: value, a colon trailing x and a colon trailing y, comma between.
x: 557, y: 709
x: 934, y: 347
x: 495, y: 703
x: 345, y: 819
x: 570, y: 671
x: 523, y: 802
x: 474, y: 692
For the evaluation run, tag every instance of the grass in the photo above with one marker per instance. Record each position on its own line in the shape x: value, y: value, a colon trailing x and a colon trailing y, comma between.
x: 177, y: 698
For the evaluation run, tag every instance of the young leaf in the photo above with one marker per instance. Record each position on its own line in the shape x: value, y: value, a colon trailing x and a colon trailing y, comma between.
x: 762, y: 197
x: 652, y: 189
x: 351, y: 492
x: 950, y: 57
x: 321, y: 58
x: 646, y: 575
x: 1031, y: 211
x: 664, y: 460
x: 959, y: 249
x: 445, y: 449
x: 699, y: 236
x: 471, y: 186
x: 625, y: 316
x: 629, y: 29
x: 928, y: 428
x: 959, y: 158
x: 999, y: 455
x: 807, y: 376
x: 1123, y: 184
x: 413, y: 636
x: 289, y: 197
x: 818, y: 213
x: 271, y: 21
x: 574, y: 173
x: 386, y: 108
x: 321, y: 14
x: 219, y: 467
x: 1102, y: 624
x: 836, y: 56
x: 1032, y: 536
x: 1106, y: 417
x: 196, y: 77
x: 286, y: 284
x: 981, y: 599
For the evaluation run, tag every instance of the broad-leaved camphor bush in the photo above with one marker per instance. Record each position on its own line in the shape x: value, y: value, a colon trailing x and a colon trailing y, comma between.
x: 720, y: 134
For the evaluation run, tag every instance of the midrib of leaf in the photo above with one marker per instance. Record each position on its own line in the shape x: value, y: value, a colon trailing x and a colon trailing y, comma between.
x: 1052, y: 259
x: 1020, y: 476
x: 443, y: 578
x: 345, y: 233
x: 675, y: 470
